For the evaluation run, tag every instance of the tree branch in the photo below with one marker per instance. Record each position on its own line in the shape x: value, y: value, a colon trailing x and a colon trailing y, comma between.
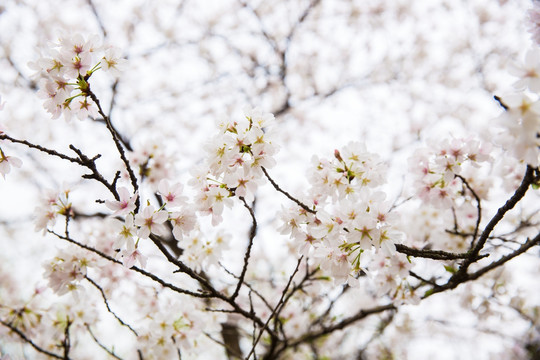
x: 276, y: 186
x: 29, y: 341
x: 106, y: 301
x: 252, y: 233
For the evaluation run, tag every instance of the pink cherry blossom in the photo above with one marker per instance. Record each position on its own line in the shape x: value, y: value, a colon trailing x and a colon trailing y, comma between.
x: 131, y: 254
x: 125, y: 205
x: 6, y: 162
x: 183, y: 222
x: 112, y: 61
x: 171, y: 194
x: 151, y: 221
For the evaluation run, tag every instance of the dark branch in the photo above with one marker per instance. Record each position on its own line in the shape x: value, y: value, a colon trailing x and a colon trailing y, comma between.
x: 42, y: 149
x: 276, y: 186
x: 252, y: 233
x: 118, y: 143
x: 110, y: 352
x: 341, y: 325
x: 528, y: 179
x: 134, y: 268
x: 29, y: 341
x: 106, y: 301
x: 433, y: 254
x: 278, y: 306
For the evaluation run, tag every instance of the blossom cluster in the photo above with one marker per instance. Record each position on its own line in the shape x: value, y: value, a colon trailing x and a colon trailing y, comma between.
x: 235, y: 162
x: 534, y: 22
x: 67, y: 269
x: 520, y: 122
x: 202, y: 252
x: 47, y: 324
x: 171, y: 325
x: 149, y: 220
x: 65, y: 70
x: 347, y: 219
x: 436, y: 169
x: 52, y: 204
x: 152, y: 161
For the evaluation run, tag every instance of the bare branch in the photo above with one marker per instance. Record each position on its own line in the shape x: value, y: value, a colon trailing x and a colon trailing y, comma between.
x: 134, y: 268
x: 117, y: 141
x: 110, y: 352
x: 528, y: 179
x: 42, y: 149
x: 106, y: 301
x: 29, y: 341
x: 276, y: 186
x: 478, y: 208
x: 252, y: 233
x: 278, y: 306
x: 98, y: 18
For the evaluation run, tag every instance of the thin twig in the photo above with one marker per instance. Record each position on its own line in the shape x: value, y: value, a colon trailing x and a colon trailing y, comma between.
x: 134, y: 268
x: 42, y: 149
x: 251, y: 288
x: 252, y: 233
x: 66, y: 343
x: 478, y: 207
x: 116, y: 139
x: 280, y: 302
x: 110, y: 352
x: 98, y: 18
x: 430, y: 282
x: 106, y: 301
x: 341, y: 325
x: 276, y: 186
x: 29, y: 341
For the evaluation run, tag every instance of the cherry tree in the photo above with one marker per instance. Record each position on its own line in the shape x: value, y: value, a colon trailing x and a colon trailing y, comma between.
x: 305, y: 179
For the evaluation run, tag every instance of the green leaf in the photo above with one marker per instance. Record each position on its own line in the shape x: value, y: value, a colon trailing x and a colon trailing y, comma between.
x: 450, y: 269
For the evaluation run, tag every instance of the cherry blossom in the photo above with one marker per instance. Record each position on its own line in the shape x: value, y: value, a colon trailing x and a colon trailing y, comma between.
x: 131, y: 254
x: 171, y: 194
x: 66, y: 70
x: 435, y: 171
x: 126, y: 232
x: 528, y: 72
x: 296, y: 267
x: 112, y: 61
x: 183, y: 222
x: 125, y: 205
x: 151, y: 221
x: 66, y: 271
x: 6, y: 162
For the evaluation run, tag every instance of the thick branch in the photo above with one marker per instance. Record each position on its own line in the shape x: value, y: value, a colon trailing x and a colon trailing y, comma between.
x: 433, y: 254
x: 309, y: 337
x: 528, y: 179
